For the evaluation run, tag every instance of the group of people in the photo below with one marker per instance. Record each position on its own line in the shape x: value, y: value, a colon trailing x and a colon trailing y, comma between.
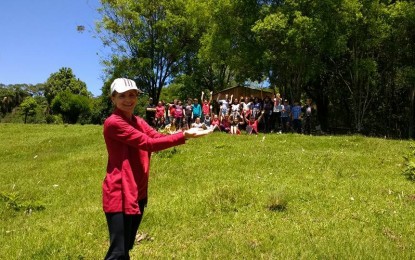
x: 233, y: 115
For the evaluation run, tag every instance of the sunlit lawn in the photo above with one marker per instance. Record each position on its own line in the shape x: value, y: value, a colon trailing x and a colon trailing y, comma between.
x: 222, y: 196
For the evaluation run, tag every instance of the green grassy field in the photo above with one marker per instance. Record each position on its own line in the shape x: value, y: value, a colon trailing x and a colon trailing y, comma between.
x: 218, y: 197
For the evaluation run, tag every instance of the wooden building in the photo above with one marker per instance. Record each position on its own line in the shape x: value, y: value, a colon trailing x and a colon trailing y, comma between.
x: 244, y: 91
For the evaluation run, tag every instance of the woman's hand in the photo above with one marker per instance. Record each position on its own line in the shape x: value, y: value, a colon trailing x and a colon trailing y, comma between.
x: 196, y: 132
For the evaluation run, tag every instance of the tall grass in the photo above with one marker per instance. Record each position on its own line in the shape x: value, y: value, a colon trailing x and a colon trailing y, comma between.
x: 221, y: 197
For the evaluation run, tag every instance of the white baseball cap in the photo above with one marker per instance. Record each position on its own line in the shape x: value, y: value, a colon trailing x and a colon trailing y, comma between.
x: 122, y: 85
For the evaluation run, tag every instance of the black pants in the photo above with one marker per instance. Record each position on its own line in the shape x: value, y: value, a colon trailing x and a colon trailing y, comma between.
x: 123, y: 229
x: 285, y: 124
x: 297, y: 125
x: 189, y: 121
x: 307, y: 125
x: 276, y: 121
x: 267, y: 122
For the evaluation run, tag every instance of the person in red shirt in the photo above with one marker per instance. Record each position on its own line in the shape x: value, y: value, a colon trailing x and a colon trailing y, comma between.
x: 178, y: 114
x: 215, y: 124
x: 252, y: 124
x: 206, y: 105
x: 129, y: 141
x: 172, y: 110
x: 225, y: 124
x: 160, y: 111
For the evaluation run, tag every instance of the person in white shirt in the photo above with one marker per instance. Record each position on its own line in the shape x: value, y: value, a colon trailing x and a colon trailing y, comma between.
x: 224, y: 106
x: 198, y: 124
x: 276, y: 112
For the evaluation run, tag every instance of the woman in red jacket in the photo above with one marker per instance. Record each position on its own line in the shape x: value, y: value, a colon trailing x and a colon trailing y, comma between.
x: 130, y: 141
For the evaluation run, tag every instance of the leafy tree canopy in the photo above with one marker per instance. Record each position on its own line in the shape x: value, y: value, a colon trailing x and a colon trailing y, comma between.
x: 150, y: 40
x: 70, y: 106
x: 64, y: 80
x: 28, y: 107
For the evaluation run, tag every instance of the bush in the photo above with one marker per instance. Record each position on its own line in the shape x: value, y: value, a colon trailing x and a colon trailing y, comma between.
x: 54, y: 119
x: 71, y: 106
x: 409, y: 170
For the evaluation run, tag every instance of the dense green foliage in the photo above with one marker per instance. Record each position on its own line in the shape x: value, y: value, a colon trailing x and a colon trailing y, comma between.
x: 23, y: 103
x: 354, y: 58
x: 13, y: 95
x: 221, y: 196
x: 61, y: 81
x: 409, y: 171
x: 62, y: 99
x: 28, y: 107
x: 70, y: 106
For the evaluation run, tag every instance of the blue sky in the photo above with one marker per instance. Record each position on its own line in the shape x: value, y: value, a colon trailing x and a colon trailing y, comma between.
x: 40, y: 37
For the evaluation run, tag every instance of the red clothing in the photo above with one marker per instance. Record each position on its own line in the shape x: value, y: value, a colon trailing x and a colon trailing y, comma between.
x: 215, y: 122
x: 160, y: 111
x: 254, y: 125
x: 247, y: 113
x: 206, y: 108
x: 129, y: 144
x: 226, y: 123
x: 178, y: 112
x: 172, y: 110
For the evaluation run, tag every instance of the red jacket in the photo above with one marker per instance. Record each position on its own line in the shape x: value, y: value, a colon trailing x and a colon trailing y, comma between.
x: 129, y: 144
x: 254, y: 125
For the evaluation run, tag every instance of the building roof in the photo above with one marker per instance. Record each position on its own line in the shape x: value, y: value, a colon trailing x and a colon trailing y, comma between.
x: 244, y: 86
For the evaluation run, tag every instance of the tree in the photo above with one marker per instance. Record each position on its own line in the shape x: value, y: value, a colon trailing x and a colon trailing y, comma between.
x: 291, y: 35
x: 228, y: 54
x: 399, y: 61
x: 28, y: 106
x: 71, y: 106
x: 359, y: 72
x: 64, y: 80
x: 328, y: 50
x: 12, y: 95
x: 150, y: 40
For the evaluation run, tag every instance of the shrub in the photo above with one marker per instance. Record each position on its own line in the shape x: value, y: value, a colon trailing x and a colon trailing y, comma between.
x: 71, y: 106
x: 409, y: 170
x: 17, y: 204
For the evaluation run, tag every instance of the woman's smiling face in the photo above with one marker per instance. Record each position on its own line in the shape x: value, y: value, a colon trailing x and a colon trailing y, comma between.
x: 125, y: 101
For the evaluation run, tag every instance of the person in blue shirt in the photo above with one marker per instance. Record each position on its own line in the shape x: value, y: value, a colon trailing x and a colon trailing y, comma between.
x: 197, y: 109
x: 296, y: 117
x: 285, y: 116
x: 256, y: 108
